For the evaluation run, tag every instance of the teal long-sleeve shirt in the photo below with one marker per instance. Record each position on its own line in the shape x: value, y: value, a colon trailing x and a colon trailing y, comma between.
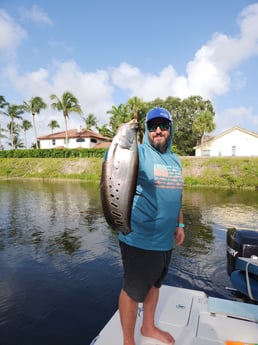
x: 157, y: 201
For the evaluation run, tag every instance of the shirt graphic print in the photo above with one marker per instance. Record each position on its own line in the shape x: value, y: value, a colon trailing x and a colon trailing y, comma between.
x: 166, y: 176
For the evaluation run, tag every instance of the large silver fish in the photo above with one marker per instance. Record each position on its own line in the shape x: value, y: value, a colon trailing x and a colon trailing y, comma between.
x: 118, y: 178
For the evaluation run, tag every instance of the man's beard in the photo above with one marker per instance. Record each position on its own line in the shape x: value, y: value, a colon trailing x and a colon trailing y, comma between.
x: 160, y: 146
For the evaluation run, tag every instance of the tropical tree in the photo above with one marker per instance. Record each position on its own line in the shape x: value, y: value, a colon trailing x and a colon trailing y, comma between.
x: 34, y: 106
x: 53, y: 124
x: 3, y: 104
x: 119, y: 115
x: 67, y: 104
x: 13, y: 111
x: 135, y: 106
x: 204, y: 123
x: 26, y: 125
x: 106, y: 132
x: 2, y: 135
x: 17, y: 142
x: 14, y: 130
x: 137, y: 109
x: 90, y: 121
x: 184, y: 113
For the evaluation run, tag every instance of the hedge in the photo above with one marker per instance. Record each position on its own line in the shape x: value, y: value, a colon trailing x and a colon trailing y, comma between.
x: 53, y: 153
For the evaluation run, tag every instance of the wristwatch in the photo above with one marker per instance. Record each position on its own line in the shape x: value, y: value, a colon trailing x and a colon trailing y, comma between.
x: 180, y: 225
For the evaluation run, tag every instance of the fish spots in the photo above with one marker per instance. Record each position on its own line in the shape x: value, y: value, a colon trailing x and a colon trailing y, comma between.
x: 118, y: 178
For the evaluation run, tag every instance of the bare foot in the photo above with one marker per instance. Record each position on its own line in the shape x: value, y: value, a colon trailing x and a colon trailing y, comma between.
x: 158, y: 334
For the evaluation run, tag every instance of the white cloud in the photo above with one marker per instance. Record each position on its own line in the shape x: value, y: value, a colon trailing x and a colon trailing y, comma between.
x: 11, y: 36
x: 225, y: 52
x: 146, y: 86
x: 204, y: 77
x: 208, y: 74
x: 248, y: 22
x: 92, y: 90
x: 29, y: 83
x: 236, y: 117
x: 35, y: 14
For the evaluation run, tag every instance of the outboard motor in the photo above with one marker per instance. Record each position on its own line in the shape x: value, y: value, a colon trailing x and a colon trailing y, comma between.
x: 240, y: 243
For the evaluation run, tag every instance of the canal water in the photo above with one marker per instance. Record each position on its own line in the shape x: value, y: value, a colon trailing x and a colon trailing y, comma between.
x: 60, y: 267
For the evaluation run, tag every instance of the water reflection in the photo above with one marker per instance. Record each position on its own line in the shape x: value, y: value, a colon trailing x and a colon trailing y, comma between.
x: 208, y: 213
x: 60, y: 268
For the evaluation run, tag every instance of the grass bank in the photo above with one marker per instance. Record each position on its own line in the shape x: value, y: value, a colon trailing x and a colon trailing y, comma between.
x: 227, y: 172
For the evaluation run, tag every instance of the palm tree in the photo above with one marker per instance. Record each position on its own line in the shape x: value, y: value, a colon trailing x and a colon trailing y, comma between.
x: 53, y: 124
x: 14, y: 130
x: 26, y: 125
x: 14, y: 111
x: 106, y: 132
x: 2, y: 100
x: 2, y: 135
x: 17, y: 142
x: 3, y: 104
x: 119, y: 115
x: 90, y: 121
x: 34, y: 106
x: 67, y: 104
x: 137, y: 108
x: 204, y: 123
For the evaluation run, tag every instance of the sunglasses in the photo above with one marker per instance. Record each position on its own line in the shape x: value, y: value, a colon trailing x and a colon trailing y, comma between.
x: 164, y: 126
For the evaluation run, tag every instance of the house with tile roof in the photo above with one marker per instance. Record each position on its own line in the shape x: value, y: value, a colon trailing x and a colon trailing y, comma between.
x: 77, y: 138
x: 234, y: 142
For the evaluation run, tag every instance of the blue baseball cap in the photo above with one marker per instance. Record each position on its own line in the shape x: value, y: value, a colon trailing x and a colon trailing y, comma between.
x: 158, y: 113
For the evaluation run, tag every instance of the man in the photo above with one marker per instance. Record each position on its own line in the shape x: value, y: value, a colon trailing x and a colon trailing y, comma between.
x: 156, y: 219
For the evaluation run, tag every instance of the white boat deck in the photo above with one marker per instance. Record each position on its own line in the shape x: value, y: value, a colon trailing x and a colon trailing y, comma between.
x: 193, y: 319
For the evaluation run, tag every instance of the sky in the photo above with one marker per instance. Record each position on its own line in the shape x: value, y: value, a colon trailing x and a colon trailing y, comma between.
x: 106, y: 52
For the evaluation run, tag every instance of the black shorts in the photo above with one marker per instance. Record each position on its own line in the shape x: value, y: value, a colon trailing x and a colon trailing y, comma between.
x: 143, y: 269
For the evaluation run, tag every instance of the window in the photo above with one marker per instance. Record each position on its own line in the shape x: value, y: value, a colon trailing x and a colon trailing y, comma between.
x: 206, y: 153
x: 53, y: 142
x: 80, y: 140
x: 233, y: 150
x: 92, y: 140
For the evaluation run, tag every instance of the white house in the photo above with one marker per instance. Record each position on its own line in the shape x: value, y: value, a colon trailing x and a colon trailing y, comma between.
x: 233, y: 142
x: 77, y: 138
